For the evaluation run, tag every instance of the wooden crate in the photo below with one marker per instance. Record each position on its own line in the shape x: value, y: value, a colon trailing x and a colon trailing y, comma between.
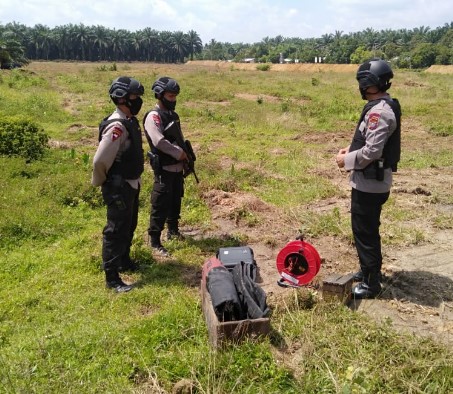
x: 337, y: 287
x: 223, y: 333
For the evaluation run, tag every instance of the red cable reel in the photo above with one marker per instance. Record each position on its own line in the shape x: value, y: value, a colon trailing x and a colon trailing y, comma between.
x: 297, y: 263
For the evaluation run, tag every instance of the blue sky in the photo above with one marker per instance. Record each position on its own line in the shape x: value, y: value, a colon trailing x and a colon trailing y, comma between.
x: 234, y: 21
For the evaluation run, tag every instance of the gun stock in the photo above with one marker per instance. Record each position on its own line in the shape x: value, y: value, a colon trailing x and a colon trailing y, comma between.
x: 173, y: 129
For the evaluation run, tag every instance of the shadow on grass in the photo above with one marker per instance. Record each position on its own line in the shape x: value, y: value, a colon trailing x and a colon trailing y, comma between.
x: 210, y: 245
x: 167, y: 271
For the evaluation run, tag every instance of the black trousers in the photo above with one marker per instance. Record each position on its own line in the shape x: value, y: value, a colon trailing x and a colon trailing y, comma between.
x: 365, y: 219
x: 122, y: 216
x: 168, y: 190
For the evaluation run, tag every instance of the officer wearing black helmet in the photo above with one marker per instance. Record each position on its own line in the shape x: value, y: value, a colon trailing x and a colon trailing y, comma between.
x: 167, y: 162
x: 371, y: 158
x: 117, y: 167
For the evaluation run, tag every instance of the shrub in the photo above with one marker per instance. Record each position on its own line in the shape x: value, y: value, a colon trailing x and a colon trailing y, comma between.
x: 104, y: 67
x: 20, y: 137
x: 263, y: 67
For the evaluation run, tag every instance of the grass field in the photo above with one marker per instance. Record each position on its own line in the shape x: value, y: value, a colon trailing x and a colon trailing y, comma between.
x: 271, y: 135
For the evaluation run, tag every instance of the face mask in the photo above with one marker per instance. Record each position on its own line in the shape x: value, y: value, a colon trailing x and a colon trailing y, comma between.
x: 363, y: 93
x: 170, y: 105
x: 134, y: 105
x: 363, y: 86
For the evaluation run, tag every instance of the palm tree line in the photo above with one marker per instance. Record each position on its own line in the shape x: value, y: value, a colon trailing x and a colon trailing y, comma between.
x: 412, y: 48
x: 98, y: 43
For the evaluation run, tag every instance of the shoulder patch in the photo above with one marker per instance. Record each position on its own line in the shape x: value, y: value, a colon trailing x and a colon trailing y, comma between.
x: 156, y: 120
x: 373, y: 121
x: 116, y: 133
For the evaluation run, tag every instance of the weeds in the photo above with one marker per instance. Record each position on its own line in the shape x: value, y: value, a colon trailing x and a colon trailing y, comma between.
x: 22, y: 138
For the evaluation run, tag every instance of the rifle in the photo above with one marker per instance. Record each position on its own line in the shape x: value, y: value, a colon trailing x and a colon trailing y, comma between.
x: 173, y: 129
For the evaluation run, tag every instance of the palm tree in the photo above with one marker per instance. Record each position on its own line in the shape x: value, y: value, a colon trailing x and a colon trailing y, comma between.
x: 101, y: 41
x: 62, y: 41
x: 149, y: 42
x: 119, y: 43
x: 41, y: 37
x: 135, y: 45
x: 11, y: 51
x: 46, y: 42
x: 180, y: 46
x: 194, y: 42
x: 82, y: 37
x: 165, y: 46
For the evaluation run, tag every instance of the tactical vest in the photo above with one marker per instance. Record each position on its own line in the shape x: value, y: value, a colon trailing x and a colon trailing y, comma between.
x: 166, y: 117
x: 392, y: 148
x: 131, y: 163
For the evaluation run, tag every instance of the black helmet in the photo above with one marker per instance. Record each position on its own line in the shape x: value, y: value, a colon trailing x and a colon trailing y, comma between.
x: 374, y: 72
x: 165, y: 84
x: 123, y: 86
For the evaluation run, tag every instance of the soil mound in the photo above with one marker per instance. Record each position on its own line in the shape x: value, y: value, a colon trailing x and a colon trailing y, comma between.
x: 440, y: 69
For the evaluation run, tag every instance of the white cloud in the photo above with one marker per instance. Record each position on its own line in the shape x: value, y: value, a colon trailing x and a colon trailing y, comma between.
x: 233, y: 20
x: 356, y: 15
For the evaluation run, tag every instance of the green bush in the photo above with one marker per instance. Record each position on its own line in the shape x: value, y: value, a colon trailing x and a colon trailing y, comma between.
x: 20, y: 137
x: 263, y: 67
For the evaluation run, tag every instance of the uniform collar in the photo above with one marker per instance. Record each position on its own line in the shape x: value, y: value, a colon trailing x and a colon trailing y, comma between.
x: 121, y: 114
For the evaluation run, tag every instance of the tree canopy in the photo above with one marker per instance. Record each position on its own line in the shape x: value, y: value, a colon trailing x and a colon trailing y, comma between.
x: 418, y: 48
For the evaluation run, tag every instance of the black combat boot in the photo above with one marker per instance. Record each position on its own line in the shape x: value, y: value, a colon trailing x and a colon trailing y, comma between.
x: 113, y: 281
x: 156, y: 245
x: 370, y: 287
x: 154, y: 238
x: 128, y: 265
x: 358, y: 276
x: 173, y: 231
x: 175, y: 234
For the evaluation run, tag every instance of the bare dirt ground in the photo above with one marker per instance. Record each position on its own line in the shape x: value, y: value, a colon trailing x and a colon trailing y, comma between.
x: 418, y: 282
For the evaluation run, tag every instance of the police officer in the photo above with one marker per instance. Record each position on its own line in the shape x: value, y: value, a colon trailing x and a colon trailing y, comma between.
x: 167, y: 161
x: 371, y: 158
x: 117, y: 167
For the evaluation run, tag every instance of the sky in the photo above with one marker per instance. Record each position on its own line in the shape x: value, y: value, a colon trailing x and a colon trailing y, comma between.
x: 234, y: 21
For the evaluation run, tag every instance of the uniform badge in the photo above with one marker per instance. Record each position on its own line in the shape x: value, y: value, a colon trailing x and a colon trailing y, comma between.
x: 373, y: 121
x: 116, y: 133
x: 156, y: 119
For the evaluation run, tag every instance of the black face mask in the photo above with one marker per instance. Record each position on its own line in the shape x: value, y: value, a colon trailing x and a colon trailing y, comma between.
x: 363, y: 86
x: 363, y: 92
x: 134, y: 105
x: 170, y: 105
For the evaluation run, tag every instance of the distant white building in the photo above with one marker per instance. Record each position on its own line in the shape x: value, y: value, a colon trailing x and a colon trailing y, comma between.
x: 249, y: 60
